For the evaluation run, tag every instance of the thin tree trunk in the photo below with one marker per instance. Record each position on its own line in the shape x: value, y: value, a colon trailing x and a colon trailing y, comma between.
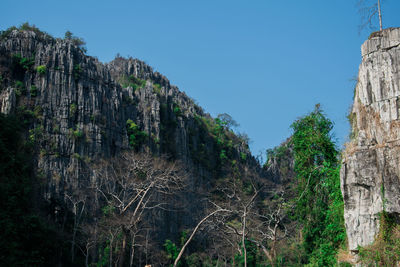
x: 264, y: 249
x: 87, y: 257
x: 132, y: 251
x: 380, y: 15
x: 266, y: 252
x: 123, y: 247
x: 234, y: 263
x: 111, y: 249
x: 243, y: 237
x: 73, y: 239
x: 193, y: 233
x: 147, y: 243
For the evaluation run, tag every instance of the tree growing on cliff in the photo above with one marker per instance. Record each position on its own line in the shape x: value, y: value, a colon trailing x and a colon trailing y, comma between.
x: 368, y: 12
x: 319, y: 205
x: 77, y: 41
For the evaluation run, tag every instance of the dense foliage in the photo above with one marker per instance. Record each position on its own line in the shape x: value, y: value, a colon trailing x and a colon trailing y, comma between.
x: 136, y: 136
x: 25, y: 239
x: 319, y: 206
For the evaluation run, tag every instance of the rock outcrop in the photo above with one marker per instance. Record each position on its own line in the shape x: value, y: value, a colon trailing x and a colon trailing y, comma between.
x: 370, y: 174
x: 280, y: 163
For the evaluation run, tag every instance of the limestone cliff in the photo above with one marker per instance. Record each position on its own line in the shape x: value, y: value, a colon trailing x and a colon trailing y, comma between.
x: 76, y: 110
x: 280, y: 163
x: 370, y: 174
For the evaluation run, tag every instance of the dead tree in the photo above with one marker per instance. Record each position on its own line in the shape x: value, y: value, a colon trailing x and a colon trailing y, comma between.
x: 271, y: 226
x: 238, y: 197
x: 130, y: 186
x: 254, y: 216
x: 88, y: 240
x: 77, y: 200
x: 368, y: 12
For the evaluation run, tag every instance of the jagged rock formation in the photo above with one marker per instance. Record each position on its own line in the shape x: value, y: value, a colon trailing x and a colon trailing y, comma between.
x: 370, y: 174
x: 280, y: 163
x: 77, y: 108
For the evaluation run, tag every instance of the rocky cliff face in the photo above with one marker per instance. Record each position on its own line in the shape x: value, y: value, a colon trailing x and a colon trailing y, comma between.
x: 370, y: 174
x: 77, y: 109
x: 280, y: 163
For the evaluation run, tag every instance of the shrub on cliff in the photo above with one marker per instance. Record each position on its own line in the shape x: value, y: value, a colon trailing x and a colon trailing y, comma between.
x: 385, y: 251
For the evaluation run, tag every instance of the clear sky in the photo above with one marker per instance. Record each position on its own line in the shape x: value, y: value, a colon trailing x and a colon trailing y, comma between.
x: 264, y: 62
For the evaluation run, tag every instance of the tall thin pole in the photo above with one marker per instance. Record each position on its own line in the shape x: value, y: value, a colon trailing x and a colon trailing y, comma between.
x: 380, y: 15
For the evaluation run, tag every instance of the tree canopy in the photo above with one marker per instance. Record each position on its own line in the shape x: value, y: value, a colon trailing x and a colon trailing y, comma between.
x: 319, y: 206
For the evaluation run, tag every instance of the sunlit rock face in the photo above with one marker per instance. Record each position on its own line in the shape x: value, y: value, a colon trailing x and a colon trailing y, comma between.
x: 77, y: 111
x: 371, y: 161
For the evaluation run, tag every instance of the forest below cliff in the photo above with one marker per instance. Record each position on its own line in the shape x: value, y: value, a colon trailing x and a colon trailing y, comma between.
x: 111, y: 165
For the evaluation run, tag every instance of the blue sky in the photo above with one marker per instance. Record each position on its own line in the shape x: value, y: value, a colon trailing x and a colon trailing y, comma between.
x: 264, y: 62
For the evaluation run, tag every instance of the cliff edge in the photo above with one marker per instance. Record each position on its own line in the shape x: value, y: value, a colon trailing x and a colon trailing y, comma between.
x: 371, y: 161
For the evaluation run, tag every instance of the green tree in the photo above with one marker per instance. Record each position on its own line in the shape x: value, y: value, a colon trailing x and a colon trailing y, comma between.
x: 25, y: 238
x: 319, y: 206
x: 68, y: 35
x: 77, y: 41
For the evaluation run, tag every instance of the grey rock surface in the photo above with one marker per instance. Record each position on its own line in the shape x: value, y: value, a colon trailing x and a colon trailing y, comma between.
x: 370, y: 174
x: 80, y: 107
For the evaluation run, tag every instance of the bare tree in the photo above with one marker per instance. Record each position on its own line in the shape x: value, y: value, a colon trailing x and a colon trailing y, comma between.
x: 88, y: 240
x: 238, y: 198
x: 77, y: 200
x: 257, y: 214
x: 271, y: 226
x: 130, y: 185
x: 243, y: 210
x: 368, y: 12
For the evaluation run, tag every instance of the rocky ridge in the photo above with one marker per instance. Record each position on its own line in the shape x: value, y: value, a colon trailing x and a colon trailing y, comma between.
x: 77, y: 110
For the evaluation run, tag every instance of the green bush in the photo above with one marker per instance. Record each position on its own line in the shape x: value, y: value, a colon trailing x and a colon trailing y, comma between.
x: 20, y: 88
x: 23, y: 62
x: 78, y: 134
x: 171, y: 250
x: 157, y: 88
x: 72, y: 109
x: 136, y: 136
x: 75, y: 133
x: 41, y: 69
x: 36, y: 134
x: 77, y: 41
x: 132, y: 81
x: 177, y: 110
x: 76, y: 156
x: 77, y: 72
x: 33, y: 91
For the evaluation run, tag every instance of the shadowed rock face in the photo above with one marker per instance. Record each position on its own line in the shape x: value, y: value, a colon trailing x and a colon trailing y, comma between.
x: 370, y: 174
x: 81, y: 107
